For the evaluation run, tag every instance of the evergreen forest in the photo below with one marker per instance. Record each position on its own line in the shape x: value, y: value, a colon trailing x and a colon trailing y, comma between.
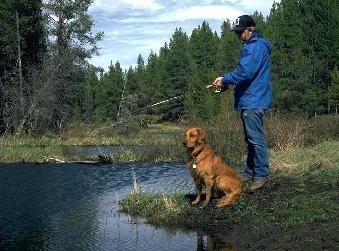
x: 47, y: 83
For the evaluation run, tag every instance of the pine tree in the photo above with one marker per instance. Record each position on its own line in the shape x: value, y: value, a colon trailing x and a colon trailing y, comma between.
x: 163, y: 78
x: 260, y: 22
x: 304, y: 53
x: 153, y: 88
x: 228, y: 50
x: 86, y: 98
x: 131, y: 82
x: 140, y: 72
x: 109, y: 94
x: 321, y: 47
x: 203, y: 48
x: 203, y: 44
x: 291, y: 66
x: 177, y: 73
x: 193, y: 96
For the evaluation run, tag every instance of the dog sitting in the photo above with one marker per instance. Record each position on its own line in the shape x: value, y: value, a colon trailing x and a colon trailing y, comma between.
x: 208, y: 170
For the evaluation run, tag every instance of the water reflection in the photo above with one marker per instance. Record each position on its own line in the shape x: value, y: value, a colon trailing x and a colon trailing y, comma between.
x: 215, y: 241
x: 72, y: 207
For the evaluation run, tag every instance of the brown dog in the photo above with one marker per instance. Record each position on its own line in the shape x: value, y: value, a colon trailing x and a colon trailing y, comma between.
x: 209, y: 170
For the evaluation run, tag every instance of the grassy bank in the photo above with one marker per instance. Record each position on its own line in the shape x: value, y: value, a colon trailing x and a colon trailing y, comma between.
x: 157, y: 138
x: 163, y: 142
x: 302, y: 196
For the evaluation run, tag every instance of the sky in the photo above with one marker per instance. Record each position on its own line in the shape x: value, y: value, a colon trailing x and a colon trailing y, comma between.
x: 134, y: 27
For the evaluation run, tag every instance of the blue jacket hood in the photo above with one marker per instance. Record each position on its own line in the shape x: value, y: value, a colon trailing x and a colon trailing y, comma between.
x: 254, y: 38
x: 252, y: 76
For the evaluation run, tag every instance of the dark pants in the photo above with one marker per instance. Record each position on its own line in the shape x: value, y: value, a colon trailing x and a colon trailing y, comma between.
x: 257, y: 156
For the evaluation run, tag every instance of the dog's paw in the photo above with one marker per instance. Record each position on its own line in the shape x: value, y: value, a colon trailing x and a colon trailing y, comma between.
x: 206, y: 203
x: 195, y: 202
x: 223, y: 203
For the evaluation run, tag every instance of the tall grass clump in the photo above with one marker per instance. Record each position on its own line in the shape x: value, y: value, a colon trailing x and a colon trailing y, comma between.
x: 165, y: 152
x: 225, y: 135
x: 322, y: 128
x: 287, y: 131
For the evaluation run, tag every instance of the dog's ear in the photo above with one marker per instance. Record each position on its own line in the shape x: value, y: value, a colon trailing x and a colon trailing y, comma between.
x: 201, y: 136
x: 186, y: 131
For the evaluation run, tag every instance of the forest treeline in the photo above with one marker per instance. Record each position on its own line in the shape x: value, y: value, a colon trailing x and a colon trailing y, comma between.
x: 46, y: 82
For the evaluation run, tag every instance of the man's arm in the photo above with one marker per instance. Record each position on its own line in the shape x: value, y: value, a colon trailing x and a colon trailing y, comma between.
x: 248, y: 66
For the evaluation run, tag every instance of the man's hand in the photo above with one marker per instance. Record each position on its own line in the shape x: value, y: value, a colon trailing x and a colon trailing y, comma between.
x: 216, y: 84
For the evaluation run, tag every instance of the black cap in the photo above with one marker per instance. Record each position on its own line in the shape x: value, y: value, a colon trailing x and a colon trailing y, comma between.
x: 242, y: 22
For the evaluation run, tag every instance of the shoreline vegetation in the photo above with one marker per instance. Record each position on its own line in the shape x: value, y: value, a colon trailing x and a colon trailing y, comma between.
x: 36, y: 148
x: 163, y: 142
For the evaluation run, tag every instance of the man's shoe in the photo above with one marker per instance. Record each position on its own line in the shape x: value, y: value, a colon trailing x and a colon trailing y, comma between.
x: 246, y: 178
x: 258, y: 184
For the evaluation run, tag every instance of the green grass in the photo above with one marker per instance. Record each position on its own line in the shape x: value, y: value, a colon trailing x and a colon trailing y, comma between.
x: 157, y: 139
x: 163, y: 142
x: 69, y: 141
x: 29, y: 154
x: 301, y: 160
x: 304, y: 193
x: 93, y: 135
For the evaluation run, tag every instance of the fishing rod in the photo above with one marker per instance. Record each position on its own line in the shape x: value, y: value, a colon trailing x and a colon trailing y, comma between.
x: 142, y: 108
x: 217, y: 89
x: 162, y: 102
x: 212, y: 86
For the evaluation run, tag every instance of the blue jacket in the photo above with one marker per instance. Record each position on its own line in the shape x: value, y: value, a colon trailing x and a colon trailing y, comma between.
x: 252, y: 76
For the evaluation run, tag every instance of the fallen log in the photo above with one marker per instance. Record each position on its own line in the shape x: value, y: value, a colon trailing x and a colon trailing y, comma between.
x: 102, y: 159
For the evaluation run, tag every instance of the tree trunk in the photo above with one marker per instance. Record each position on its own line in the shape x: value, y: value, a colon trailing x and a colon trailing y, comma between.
x: 21, y: 93
x: 24, y: 119
x: 102, y: 159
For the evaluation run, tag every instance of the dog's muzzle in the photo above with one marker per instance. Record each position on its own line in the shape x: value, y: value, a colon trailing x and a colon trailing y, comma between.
x: 186, y: 145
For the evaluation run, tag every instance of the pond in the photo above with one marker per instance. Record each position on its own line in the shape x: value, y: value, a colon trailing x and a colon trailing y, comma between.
x: 73, y: 207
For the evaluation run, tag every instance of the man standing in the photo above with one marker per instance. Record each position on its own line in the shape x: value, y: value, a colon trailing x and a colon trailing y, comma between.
x: 253, y: 96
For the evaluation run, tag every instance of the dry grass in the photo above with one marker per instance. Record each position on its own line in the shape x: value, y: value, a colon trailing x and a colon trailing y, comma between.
x: 305, y: 160
x: 285, y: 132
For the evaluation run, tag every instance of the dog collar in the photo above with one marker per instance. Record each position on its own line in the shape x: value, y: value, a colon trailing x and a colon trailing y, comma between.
x: 195, y: 156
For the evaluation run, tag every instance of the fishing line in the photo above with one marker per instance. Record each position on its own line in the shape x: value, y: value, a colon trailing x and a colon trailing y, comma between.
x: 95, y: 132
x: 161, y: 102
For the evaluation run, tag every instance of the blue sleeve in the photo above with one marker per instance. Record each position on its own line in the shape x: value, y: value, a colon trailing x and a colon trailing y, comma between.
x: 248, y: 66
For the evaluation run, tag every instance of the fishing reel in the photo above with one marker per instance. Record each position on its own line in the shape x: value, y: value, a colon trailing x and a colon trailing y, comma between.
x: 218, y: 90
x: 221, y: 90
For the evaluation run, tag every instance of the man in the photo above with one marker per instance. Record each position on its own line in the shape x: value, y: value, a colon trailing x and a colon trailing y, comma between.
x: 253, y: 96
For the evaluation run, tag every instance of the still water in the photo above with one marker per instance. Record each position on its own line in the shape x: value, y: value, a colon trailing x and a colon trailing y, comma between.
x: 72, y: 207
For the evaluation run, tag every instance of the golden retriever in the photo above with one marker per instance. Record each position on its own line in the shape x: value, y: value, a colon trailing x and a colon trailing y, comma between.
x: 209, y: 170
